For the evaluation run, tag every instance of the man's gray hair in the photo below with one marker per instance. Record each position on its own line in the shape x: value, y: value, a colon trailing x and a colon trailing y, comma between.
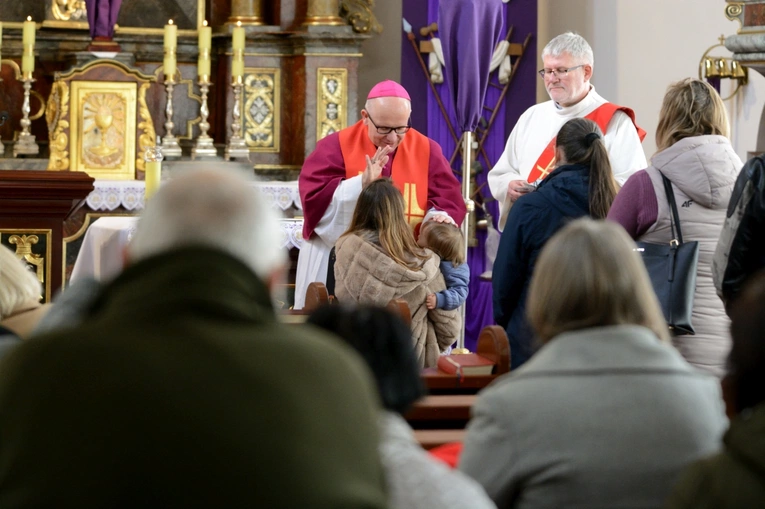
x: 573, y: 44
x: 19, y: 286
x: 214, y: 207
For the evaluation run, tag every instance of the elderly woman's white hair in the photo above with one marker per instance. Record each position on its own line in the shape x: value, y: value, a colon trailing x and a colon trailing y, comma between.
x: 573, y: 44
x: 19, y: 287
x: 214, y: 207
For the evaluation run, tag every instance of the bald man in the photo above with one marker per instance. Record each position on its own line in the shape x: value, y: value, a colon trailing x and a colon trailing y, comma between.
x: 381, y: 144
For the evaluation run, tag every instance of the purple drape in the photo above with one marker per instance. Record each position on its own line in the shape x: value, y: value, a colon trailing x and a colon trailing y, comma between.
x: 521, y: 95
x: 102, y: 15
x: 470, y: 30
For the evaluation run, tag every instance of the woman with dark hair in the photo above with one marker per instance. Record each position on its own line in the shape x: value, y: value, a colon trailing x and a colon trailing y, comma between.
x: 695, y: 155
x: 377, y: 260
x: 581, y: 185
x: 414, y: 478
x: 606, y: 414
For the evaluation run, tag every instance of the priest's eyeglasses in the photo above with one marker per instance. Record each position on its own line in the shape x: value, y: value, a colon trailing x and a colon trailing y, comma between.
x: 387, y: 130
x: 558, y: 72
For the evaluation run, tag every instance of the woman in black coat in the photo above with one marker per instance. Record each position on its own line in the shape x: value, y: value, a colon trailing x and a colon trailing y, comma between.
x: 582, y: 184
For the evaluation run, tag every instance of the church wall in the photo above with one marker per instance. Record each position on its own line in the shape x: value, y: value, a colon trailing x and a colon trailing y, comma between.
x: 641, y: 47
x: 382, y: 52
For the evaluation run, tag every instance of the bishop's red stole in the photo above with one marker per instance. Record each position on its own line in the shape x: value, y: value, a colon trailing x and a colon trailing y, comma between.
x: 601, y: 115
x: 409, y: 171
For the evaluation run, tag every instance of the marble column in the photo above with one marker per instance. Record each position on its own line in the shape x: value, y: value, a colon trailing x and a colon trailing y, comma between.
x: 323, y: 12
x: 249, y: 12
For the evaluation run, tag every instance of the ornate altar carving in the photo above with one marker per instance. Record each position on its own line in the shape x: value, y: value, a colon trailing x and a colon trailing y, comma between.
x: 262, y: 109
x: 333, y: 98
x: 360, y: 15
x: 33, y: 247
x: 95, y: 115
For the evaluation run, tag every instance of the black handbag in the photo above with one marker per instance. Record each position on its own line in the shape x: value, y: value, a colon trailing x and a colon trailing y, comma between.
x: 672, y: 269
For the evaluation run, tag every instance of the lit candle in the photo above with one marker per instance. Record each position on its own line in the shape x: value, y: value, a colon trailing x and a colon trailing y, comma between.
x: 152, y: 178
x: 205, y: 43
x: 237, y: 43
x: 28, y: 38
x: 171, y: 42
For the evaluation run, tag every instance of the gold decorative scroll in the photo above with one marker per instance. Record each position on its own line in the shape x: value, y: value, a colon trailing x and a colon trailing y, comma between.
x: 148, y: 135
x: 262, y: 109
x: 332, y: 100
x: 360, y: 15
x: 69, y: 10
x: 33, y: 246
x: 103, y: 120
x: 55, y: 115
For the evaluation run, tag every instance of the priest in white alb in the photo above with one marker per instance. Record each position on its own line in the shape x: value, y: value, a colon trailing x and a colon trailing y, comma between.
x: 529, y: 155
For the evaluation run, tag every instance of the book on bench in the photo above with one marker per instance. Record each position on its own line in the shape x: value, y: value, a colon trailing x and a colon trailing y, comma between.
x: 465, y: 364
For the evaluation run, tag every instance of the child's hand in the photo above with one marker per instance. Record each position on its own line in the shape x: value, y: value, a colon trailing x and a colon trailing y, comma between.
x: 431, y: 301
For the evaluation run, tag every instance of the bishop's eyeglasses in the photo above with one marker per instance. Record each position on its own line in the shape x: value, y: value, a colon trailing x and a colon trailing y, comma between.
x: 387, y: 130
x: 558, y: 72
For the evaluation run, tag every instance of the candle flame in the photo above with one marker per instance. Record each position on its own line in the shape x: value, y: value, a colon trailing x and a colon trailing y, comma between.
x: 204, y: 23
x: 29, y: 18
x: 238, y: 23
x: 169, y: 22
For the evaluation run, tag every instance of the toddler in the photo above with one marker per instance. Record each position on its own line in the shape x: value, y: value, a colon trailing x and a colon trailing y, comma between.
x: 445, y: 239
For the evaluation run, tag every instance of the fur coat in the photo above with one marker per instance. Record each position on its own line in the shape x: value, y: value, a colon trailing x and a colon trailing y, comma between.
x: 367, y: 275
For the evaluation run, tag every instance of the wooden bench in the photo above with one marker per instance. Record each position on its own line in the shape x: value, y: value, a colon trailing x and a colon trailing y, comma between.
x: 492, y: 344
x: 446, y: 411
x: 430, y: 438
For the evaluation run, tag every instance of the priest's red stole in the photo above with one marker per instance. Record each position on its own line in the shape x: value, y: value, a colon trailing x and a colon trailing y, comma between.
x: 409, y: 171
x: 602, y: 115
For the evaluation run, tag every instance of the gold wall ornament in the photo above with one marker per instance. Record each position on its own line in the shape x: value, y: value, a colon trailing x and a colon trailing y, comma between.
x: 360, y: 15
x: 262, y: 109
x: 249, y: 12
x: 103, y: 126
x: 55, y: 115
x: 69, y: 10
x: 34, y: 247
x: 332, y: 94
x: 735, y: 11
x: 148, y: 135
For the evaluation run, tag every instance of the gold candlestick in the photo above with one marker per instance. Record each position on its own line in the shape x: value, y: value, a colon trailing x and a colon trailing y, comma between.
x: 170, y: 147
x: 236, y: 147
x: 26, y: 145
x: 204, y: 146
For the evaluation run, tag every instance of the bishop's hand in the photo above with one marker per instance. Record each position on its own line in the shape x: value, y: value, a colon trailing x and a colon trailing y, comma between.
x: 375, y: 164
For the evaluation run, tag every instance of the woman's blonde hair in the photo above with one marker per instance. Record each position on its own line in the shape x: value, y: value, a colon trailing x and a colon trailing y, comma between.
x: 444, y: 239
x: 588, y: 275
x: 691, y: 107
x: 380, y: 210
x: 18, y: 285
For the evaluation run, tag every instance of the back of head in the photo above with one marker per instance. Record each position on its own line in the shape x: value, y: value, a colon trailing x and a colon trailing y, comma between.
x: 573, y: 44
x: 18, y: 285
x: 746, y: 362
x: 580, y: 141
x: 385, y: 343
x: 216, y: 208
x: 588, y: 275
x: 444, y: 239
x: 380, y: 209
x: 691, y: 107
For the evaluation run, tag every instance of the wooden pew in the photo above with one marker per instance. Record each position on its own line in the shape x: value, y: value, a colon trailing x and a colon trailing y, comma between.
x: 492, y: 344
x: 430, y: 438
x: 446, y: 411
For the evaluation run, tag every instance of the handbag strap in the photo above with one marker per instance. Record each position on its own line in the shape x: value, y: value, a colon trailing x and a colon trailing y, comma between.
x: 674, y: 218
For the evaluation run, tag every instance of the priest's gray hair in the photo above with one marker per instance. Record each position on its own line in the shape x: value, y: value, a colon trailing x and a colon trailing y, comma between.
x: 573, y: 44
x: 19, y: 286
x: 213, y: 207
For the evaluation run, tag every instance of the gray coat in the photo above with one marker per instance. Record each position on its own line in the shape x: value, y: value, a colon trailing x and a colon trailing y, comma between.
x: 703, y: 170
x: 598, y: 418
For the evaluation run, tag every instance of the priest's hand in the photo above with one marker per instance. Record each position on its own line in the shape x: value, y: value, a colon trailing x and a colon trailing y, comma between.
x: 375, y: 164
x: 517, y: 188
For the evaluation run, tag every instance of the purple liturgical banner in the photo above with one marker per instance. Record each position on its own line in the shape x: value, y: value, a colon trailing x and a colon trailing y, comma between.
x: 102, y: 16
x: 470, y: 30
